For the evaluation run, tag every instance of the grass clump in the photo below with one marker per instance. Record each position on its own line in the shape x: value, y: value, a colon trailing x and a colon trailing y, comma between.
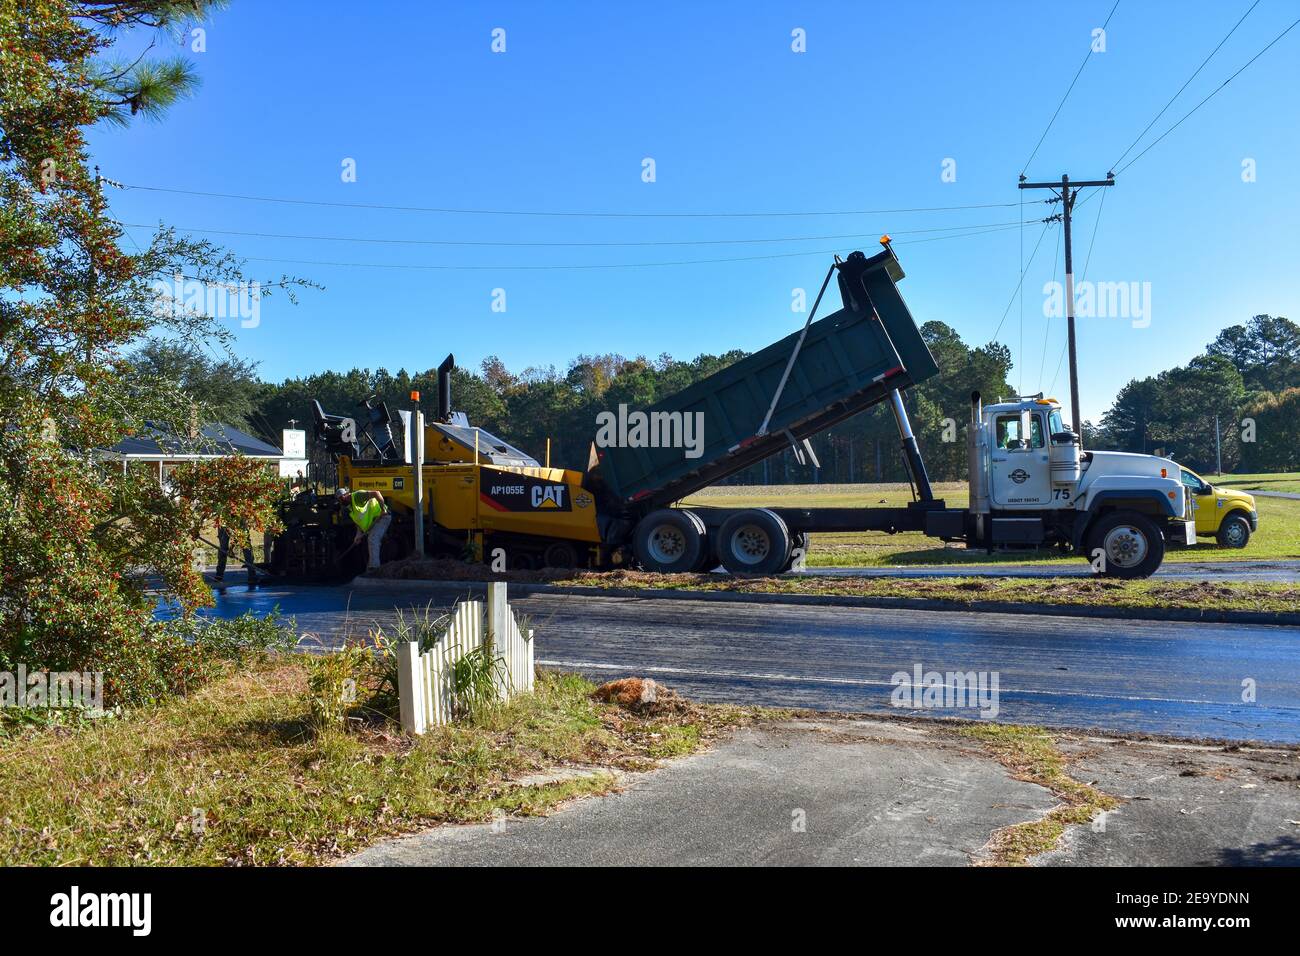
x: 1030, y: 753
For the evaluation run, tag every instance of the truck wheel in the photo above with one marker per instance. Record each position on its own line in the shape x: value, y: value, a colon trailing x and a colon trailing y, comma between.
x: 1234, y: 532
x: 754, y: 542
x: 709, y: 549
x: 561, y: 555
x: 521, y: 561
x: 709, y: 555
x: 669, y: 541
x: 1131, y: 544
x: 798, y: 542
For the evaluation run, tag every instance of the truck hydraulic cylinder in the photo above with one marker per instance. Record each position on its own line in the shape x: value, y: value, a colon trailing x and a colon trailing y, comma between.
x: 911, y: 453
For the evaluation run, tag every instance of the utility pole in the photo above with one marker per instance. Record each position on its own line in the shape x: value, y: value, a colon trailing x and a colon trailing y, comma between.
x: 1068, y: 192
x: 1218, y: 448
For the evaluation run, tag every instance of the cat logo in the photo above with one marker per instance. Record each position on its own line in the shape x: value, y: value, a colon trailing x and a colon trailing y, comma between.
x: 548, y: 496
x: 503, y: 490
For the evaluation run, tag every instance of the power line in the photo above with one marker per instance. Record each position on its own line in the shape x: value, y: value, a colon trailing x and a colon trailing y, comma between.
x: 965, y: 235
x: 590, y: 215
x: 1025, y: 268
x: 588, y: 266
x: 1213, y: 94
x: 1077, y: 74
x: 596, y: 244
x: 1185, y: 85
x: 1096, y: 223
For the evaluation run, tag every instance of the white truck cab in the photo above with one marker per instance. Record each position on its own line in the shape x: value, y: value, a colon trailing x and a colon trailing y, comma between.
x: 1032, y: 484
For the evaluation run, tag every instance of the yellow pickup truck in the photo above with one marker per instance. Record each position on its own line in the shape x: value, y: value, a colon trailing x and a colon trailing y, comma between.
x: 1227, y: 514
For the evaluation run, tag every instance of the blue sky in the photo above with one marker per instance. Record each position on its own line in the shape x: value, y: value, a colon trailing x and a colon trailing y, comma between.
x: 736, y: 122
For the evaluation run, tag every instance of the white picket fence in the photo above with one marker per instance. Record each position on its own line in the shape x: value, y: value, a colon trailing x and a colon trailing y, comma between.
x: 424, y: 681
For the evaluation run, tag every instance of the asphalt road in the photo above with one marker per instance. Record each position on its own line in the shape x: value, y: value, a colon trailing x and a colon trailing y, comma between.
x: 1120, y: 676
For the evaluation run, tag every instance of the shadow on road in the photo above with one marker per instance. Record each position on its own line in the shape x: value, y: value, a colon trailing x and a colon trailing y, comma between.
x: 1284, y: 851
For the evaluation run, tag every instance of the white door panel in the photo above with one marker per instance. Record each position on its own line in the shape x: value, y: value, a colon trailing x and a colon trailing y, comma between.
x: 1021, y: 477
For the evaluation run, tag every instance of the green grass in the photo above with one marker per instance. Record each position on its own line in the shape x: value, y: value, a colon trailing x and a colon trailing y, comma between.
x: 242, y: 756
x: 1278, y: 535
x: 1285, y: 481
x: 1030, y: 753
x: 1089, y: 591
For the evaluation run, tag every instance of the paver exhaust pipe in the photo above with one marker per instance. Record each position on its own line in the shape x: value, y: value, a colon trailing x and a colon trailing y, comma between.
x: 444, y: 388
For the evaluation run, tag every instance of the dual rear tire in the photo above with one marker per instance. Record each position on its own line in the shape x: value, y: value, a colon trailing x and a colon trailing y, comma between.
x: 671, y: 541
x: 675, y: 541
x: 754, y: 541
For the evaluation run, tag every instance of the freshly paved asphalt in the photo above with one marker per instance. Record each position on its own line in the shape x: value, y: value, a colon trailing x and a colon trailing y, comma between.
x: 1120, y: 676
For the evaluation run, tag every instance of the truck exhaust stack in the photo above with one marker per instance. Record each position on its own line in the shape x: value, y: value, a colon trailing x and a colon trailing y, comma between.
x: 979, y: 496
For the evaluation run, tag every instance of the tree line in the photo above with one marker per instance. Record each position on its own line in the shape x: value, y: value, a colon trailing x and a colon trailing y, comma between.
x: 539, y: 403
x: 1250, y: 373
x: 1240, y: 399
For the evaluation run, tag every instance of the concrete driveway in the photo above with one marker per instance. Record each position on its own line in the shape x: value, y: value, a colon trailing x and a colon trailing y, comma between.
x: 861, y: 791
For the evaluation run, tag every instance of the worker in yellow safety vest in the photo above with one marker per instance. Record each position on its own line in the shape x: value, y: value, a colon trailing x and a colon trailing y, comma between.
x: 369, y: 512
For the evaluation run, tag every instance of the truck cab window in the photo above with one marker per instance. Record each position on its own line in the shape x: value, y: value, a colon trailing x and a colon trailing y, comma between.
x: 1036, y: 431
x: 1009, y: 432
x: 1196, y: 484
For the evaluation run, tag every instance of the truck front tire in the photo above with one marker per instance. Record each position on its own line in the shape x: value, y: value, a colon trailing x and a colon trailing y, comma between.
x: 1131, y: 545
x: 754, y: 541
x: 669, y: 541
x: 1234, y: 532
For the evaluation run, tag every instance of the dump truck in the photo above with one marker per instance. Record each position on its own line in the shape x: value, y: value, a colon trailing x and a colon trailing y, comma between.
x: 1032, y: 484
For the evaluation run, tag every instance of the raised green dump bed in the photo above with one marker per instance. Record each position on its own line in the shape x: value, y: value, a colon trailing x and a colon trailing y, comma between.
x: 847, y: 362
